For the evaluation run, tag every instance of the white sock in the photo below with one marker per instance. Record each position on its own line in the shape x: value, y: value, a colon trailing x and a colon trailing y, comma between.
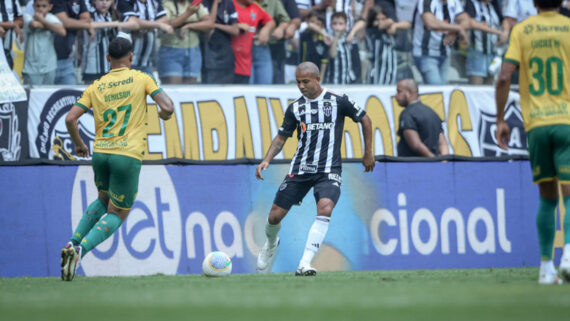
x: 315, y: 238
x: 547, y: 267
x: 271, y: 232
x: 566, y: 250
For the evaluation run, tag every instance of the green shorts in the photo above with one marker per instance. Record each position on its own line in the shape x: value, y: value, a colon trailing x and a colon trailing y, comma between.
x: 117, y: 175
x: 549, y: 153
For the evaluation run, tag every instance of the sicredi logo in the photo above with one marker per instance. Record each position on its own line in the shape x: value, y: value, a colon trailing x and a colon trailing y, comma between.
x: 149, y: 241
x: 52, y: 140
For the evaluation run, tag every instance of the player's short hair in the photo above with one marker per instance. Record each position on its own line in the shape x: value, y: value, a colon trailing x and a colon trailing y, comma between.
x: 310, y: 67
x: 548, y: 4
x: 339, y: 14
x: 120, y: 47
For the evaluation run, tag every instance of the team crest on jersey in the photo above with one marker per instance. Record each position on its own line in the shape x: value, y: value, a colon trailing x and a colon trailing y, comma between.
x: 327, y: 108
x: 53, y: 140
x: 528, y: 29
x: 488, y: 126
x: 10, y: 134
x: 253, y: 15
x: 76, y: 7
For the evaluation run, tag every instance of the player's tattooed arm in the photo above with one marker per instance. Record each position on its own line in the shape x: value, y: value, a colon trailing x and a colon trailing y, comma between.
x: 275, y: 148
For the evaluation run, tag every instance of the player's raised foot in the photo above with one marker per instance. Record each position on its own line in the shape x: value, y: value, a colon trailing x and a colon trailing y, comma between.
x: 549, y: 278
x: 306, y: 271
x: 70, y: 259
x: 266, y: 257
x: 565, y: 266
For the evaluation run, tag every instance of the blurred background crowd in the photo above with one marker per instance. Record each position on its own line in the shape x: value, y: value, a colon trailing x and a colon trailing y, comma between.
x: 380, y: 42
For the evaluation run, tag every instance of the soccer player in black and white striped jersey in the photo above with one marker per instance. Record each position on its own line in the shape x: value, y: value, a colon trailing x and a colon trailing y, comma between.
x: 318, y: 116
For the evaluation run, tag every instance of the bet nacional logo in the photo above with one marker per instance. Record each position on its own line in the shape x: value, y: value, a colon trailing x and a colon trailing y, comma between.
x: 149, y: 240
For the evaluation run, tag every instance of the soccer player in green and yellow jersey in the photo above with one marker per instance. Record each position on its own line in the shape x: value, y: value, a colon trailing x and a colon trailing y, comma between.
x: 540, y: 48
x: 119, y: 106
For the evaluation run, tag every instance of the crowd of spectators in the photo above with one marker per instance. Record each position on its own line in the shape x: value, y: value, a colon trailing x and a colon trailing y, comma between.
x: 260, y: 41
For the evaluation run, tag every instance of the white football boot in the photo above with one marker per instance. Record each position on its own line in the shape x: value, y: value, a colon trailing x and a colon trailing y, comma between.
x: 70, y: 259
x: 565, y: 265
x: 306, y: 271
x: 266, y: 257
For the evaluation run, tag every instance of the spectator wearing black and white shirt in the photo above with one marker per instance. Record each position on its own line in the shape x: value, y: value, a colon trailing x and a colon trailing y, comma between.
x: 149, y: 16
x: 436, y: 26
x: 12, y: 22
x: 217, y: 48
x: 483, y: 48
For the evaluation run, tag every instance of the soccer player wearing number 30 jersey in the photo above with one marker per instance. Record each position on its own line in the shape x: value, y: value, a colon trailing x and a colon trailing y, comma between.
x: 118, y: 100
x: 540, y: 48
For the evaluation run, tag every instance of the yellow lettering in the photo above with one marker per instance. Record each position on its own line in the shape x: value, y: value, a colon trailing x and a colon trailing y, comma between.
x: 397, y: 111
x: 243, y: 137
x: 212, y: 119
x: 435, y: 102
x: 353, y: 130
x: 153, y: 128
x: 377, y: 113
x: 191, y: 144
x: 172, y: 137
x: 458, y: 108
x: 264, y: 123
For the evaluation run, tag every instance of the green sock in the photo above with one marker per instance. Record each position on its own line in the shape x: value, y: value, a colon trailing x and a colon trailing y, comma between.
x: 566, y: 224
x: 102, y: 230
x: 91, y: 216
x: 546, y: 226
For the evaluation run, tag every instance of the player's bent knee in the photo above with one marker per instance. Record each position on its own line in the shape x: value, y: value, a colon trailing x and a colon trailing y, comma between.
x: 276, y: 214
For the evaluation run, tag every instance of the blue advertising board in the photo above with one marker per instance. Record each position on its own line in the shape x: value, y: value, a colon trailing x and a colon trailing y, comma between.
x: 401, y: 216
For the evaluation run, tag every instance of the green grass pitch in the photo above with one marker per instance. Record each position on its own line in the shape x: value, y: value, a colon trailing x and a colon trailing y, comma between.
x: 468, y: 294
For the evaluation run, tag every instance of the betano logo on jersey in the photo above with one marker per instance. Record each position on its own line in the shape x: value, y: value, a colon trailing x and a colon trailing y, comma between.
x: 316, y: 126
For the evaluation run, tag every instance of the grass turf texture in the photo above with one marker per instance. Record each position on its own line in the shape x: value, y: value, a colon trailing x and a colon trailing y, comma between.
x: 471, y: 294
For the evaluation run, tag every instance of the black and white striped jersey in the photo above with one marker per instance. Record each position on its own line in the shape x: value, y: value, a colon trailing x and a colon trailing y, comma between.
x: 95, y: 50
x: 320, y: 125
x: 144, y: 41
x: 345, y: 68
x: 428, y: 42
x: 489, y: 13
x: 382, y: 55
x: 9, y: 9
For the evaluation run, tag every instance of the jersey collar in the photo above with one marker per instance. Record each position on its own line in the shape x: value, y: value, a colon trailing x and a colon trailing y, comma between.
x: 315, y: 99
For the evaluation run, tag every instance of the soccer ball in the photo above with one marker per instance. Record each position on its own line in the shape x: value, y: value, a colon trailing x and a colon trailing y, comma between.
x: 217, y: 264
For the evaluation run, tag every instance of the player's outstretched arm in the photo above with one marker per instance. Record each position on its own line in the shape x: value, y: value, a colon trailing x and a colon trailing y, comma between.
x: 166, y: 105
x: 71, y: 119
x: 368, y: 159
x: 275, y: 148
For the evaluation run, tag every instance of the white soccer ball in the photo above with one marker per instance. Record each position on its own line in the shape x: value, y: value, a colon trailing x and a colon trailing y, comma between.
x: 217, y: 264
